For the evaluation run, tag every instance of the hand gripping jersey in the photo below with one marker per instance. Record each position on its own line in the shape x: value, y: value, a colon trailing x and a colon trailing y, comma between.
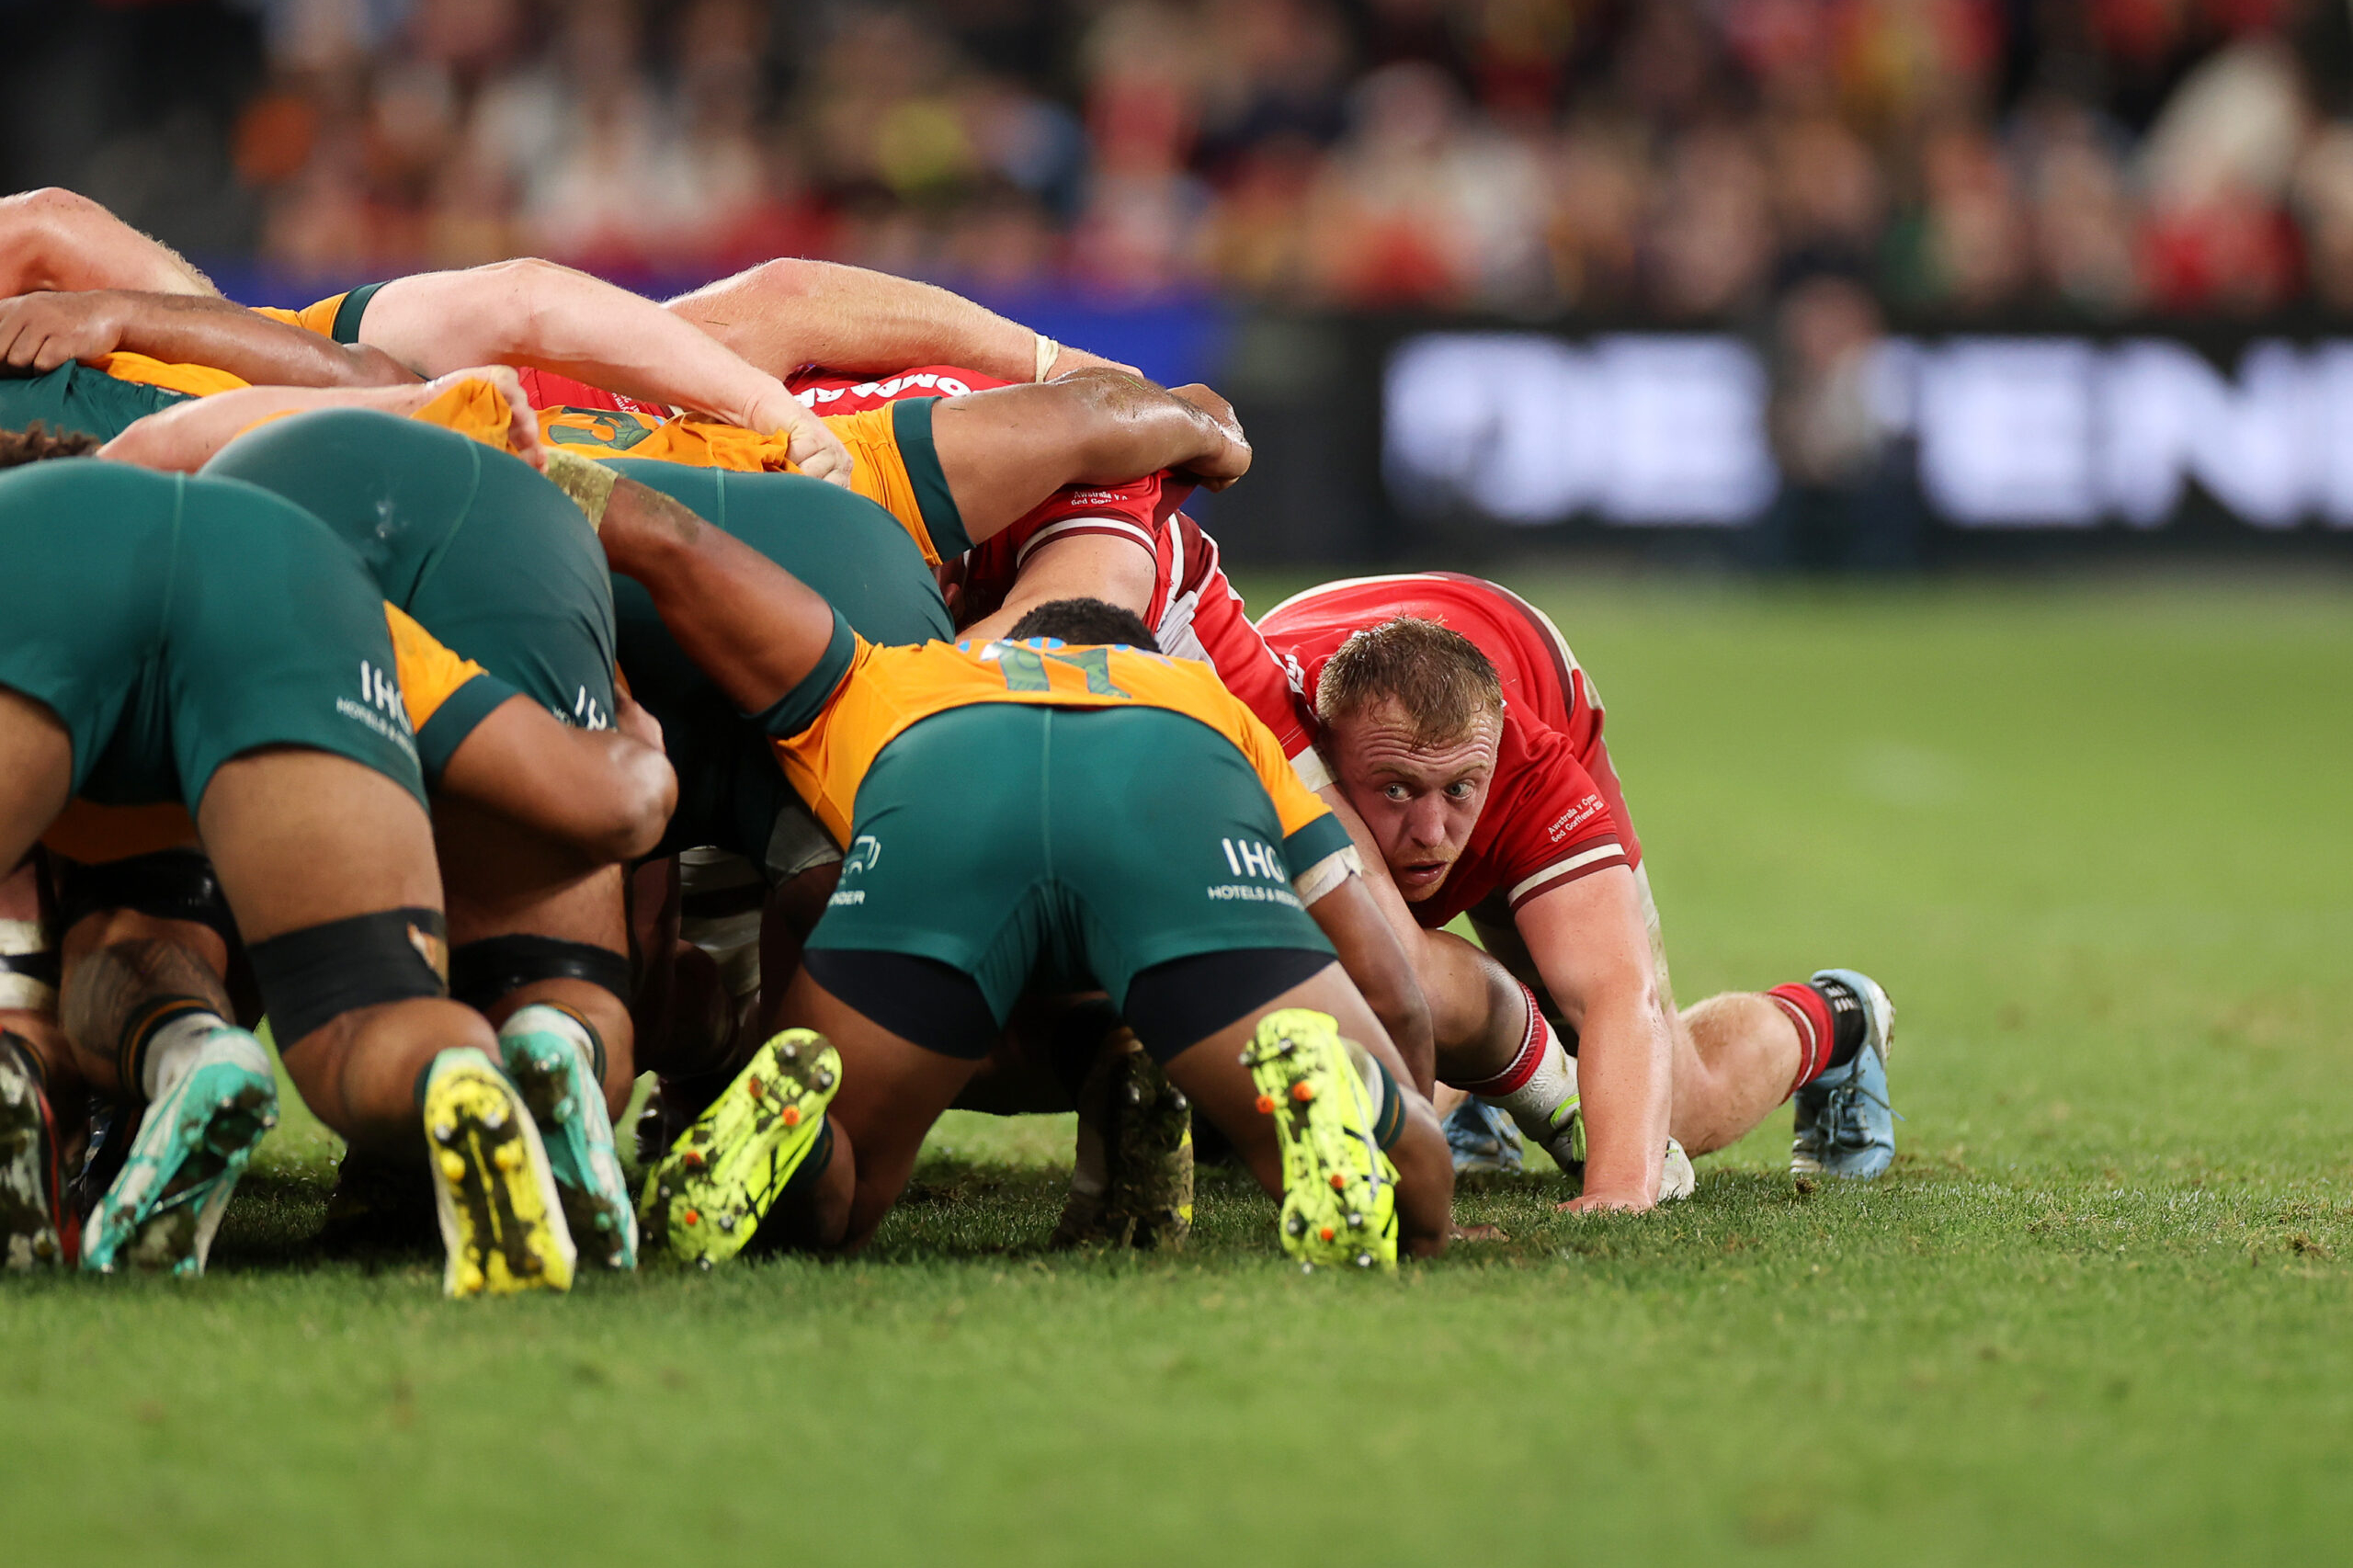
x: 1555, y: 812
x: 828, y: 730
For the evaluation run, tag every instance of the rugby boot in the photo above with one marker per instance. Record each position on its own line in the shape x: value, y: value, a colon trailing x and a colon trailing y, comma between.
x: 1152, y: 1155
x: 1676, y: 1179
x: 1845, y: 1125
x: 502, y: 1223
x: 165, y: 1206
x: 38, y: 1229
x: 709, y: 1193
x: 113, y: 1126
x: 1483, y: 1138
x: 547, y: 1060
x: 1339, y: 1190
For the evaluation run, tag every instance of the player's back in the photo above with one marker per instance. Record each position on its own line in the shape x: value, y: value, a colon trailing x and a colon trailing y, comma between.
x: 885, y: 691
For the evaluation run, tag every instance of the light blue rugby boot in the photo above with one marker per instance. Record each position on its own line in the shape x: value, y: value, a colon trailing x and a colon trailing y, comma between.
x: 1845, y: 1125
x: 1483, y: 1138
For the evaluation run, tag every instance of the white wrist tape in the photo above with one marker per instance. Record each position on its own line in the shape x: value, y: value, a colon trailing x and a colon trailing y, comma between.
x: 1048, y: 352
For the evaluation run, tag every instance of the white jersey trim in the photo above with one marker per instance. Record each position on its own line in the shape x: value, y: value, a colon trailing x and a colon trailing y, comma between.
x: 1120, y: 525
x: 1613, y: 851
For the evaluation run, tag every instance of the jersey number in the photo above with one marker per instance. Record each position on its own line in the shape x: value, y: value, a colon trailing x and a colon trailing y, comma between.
x: 1025, y: 669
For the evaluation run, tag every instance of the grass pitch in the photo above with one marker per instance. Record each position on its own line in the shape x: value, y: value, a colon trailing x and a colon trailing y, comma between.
x: 2092, y: 840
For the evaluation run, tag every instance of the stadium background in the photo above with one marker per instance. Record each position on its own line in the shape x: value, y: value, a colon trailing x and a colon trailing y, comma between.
x: 1869, y: 283
x: 1886, y: 284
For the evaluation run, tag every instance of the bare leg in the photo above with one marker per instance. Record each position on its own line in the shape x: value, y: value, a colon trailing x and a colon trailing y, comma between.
x: 1211, y: 1074
x: 34, y: 1018
x: 301, y: 838
x: 1736, y: 1055
x: 117, y: 961
x: 503, y: 880
x: 37, y: 761
x: 1734, y: 1058
x: 892, y: 1090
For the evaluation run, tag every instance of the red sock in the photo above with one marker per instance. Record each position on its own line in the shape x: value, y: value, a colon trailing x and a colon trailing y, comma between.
x: 1524, y: 1064
x: 1816, y: 1033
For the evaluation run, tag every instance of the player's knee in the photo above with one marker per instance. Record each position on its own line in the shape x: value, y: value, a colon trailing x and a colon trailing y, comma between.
x: 312, y: 980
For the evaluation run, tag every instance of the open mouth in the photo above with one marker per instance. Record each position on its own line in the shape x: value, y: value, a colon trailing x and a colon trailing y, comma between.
x: 1421, y: 876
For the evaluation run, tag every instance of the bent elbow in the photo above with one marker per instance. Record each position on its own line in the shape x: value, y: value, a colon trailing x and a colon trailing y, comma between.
x: 643, y: 810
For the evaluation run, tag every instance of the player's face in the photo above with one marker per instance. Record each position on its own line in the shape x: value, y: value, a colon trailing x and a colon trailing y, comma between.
x: 1420, y: 801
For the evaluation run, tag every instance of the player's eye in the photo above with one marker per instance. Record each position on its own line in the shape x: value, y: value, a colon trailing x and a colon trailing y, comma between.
x: 1458, y: 790
x: 1397, y: 792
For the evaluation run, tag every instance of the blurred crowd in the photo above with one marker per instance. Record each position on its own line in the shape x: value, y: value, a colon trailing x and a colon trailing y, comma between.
x: 1676, y: 160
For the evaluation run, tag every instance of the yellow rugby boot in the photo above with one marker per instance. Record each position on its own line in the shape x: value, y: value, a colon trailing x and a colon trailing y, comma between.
x: 727, y: 1169
x: 1339, y: 1189
x: 501, y: 1219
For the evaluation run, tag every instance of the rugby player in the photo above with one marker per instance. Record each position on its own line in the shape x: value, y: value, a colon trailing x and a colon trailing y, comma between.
x: 1462, y: 731
x: 138, y: 672
x: 1172, y: 887
x: 488, y: 554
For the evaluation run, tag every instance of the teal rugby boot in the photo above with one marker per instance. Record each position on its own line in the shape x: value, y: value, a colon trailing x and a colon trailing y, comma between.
x: 1845, y: 1125
x: 546, y: 1057
x: 194, y: 1143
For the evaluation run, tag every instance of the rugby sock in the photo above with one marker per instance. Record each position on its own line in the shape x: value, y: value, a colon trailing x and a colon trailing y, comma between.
x: 1830, y: 1025
x: 168, y: 1048
x: 1539, y: 1089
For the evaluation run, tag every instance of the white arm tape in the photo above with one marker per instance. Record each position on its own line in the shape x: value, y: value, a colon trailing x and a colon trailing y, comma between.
x: 1309, y: 766
x: 1327, y: 873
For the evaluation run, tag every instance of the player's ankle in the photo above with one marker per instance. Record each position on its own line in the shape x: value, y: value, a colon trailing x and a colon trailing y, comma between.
x: 1830, y: 1022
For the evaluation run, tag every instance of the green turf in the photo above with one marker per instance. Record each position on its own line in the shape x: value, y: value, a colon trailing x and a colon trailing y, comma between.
x: 2095, y: 842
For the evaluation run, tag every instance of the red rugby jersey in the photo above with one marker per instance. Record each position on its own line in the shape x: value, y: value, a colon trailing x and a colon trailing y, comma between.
x: 1555, y: 812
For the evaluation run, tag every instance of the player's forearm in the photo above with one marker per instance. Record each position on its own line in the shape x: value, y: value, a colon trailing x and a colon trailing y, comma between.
x: 182, y: 439
x: 747, y: 623
x: 534, y: 312
x: 1130, y: 427
x: 56, y: 239
x: 787, y: 314
x: 191, y: 330
x: 1625, y: 1062
x: 1376, y: 962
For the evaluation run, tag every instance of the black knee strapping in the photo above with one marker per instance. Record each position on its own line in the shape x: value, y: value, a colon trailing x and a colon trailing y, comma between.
x: 170, y: 884
x: 482, y: 972
x: 309, y: 978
